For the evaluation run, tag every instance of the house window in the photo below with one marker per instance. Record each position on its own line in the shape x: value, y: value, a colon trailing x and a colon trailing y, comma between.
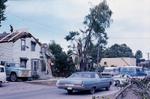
x: 23, y: 62
x: 1, y: 69
x: 33, y: 46
x: 23, y: 44
x: 43, y: 66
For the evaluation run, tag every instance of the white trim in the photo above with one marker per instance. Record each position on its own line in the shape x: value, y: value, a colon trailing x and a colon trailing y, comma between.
x: 14, y: 36
x: 5, y: 37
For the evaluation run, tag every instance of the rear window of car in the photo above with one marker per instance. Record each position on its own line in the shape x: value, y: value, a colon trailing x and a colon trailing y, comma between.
x: 83, y: 75
x: 1, y: 69
x: 106, y: 75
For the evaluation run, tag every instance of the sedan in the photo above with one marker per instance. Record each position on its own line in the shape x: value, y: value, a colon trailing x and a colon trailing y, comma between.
x: 81, y: 81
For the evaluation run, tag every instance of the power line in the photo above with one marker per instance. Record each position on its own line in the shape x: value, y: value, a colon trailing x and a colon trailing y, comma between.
x: 134, y: 38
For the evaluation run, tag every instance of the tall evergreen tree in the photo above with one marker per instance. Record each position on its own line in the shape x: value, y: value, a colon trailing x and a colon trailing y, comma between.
x: 94, y: 34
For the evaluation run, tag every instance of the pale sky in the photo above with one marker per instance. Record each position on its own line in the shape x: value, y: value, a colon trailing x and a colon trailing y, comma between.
x: 53, y: 19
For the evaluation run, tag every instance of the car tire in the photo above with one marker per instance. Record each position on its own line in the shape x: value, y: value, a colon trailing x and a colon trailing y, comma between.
x: 117, y: 83
x: 107, y: 88
x: 69, y: 91
x: 13, y: 77
x: 92, y: 90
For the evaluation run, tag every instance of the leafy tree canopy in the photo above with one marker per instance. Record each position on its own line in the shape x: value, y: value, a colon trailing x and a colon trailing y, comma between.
x: 93, y: 34
x: 117, y: 50
x: 2, y: 9
x: 138, y: 54
x: 63, y: 62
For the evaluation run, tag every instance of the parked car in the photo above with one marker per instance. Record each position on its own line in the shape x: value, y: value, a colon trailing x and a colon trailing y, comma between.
x: 128, y: 72
x: 120, y: 80
x: 2, y: 75
x: 132, y: 71
x: 147, y: 71
x: 81, y: 81
x: 13, y: 72
x: 111, y: 70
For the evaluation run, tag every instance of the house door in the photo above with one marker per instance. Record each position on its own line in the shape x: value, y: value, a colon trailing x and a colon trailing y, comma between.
x: 34, y: 67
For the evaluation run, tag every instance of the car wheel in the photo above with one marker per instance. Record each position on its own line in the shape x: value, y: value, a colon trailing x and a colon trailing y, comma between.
x: 92, y: 90
x: 13, y: 77
x: 107, y: 88
x: 69, y: 91
x: 117, y: 83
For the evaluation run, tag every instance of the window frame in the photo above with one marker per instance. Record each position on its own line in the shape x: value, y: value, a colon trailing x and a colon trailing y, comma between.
x: 33, y: 46
x: 25, y: 64
x: 23, y: 44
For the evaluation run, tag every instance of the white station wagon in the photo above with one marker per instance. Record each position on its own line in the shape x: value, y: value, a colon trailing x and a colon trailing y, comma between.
x: 2, y: 75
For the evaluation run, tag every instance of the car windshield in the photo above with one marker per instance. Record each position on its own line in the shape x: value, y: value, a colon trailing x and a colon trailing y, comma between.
x: 111, y: 70
x: 82, y: 75
x: 130, y: 70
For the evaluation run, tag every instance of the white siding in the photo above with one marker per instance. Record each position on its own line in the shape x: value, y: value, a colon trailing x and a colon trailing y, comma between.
x: 6, y: 52
x: 17, y: 53
x: 124, y: 61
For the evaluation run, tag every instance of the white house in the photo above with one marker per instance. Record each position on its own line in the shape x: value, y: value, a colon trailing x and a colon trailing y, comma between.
x: 120, y: 61
x: 23, y: 49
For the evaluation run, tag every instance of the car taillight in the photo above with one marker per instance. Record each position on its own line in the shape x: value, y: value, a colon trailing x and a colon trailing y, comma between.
x: 80, y: 84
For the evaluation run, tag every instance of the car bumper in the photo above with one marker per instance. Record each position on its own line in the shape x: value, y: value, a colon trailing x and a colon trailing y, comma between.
x: 78, y: 88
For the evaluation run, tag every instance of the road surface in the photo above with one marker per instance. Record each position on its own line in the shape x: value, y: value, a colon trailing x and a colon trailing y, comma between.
x: 21, y: 90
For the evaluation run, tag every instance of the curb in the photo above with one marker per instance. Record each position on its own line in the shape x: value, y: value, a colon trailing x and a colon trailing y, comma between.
x: 49, y: 82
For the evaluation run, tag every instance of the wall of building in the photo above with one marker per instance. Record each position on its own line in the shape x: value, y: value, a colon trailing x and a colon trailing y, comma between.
x: 6, y: 53
x: 11, y: 53
x: 118, y: 62
x: 17, y: 53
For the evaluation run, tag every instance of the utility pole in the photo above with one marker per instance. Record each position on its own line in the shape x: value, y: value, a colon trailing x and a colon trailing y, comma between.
x: 148, y: 55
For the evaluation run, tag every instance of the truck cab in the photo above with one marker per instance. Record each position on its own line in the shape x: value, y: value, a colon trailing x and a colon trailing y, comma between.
x: 14, y: 72
x: 2, y: 75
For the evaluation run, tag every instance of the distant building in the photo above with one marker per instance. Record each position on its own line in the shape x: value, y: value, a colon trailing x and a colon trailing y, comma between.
x: 145, y: 63
x: 120, y: 61
x: 23, y: 49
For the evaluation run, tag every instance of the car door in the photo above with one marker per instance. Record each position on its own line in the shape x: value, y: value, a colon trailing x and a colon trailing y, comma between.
x: 2, y: 74
x: 100, y: 82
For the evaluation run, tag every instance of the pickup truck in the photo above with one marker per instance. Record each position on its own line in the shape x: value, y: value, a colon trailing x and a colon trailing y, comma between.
x: 2, y: 75
x: 14, y: 72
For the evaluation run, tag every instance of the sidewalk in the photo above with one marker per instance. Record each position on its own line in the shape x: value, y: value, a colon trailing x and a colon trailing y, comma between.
x: 49, y: 82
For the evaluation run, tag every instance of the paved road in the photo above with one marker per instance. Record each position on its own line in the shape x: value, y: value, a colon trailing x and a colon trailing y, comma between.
x: 21, y: 90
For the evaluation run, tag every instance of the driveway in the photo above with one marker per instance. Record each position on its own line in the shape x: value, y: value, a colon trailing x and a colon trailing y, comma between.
x: 21, y: 90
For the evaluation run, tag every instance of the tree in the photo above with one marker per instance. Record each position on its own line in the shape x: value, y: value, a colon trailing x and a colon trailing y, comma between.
x: 93, y: 37
x: 63, y: 62
x: 2, y: 9
x: 138, y: 56
x: 97, y: 21
x: 117, y: 50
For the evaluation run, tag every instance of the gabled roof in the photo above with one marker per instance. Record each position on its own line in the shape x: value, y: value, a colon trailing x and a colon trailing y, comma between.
x: 12, y: 37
